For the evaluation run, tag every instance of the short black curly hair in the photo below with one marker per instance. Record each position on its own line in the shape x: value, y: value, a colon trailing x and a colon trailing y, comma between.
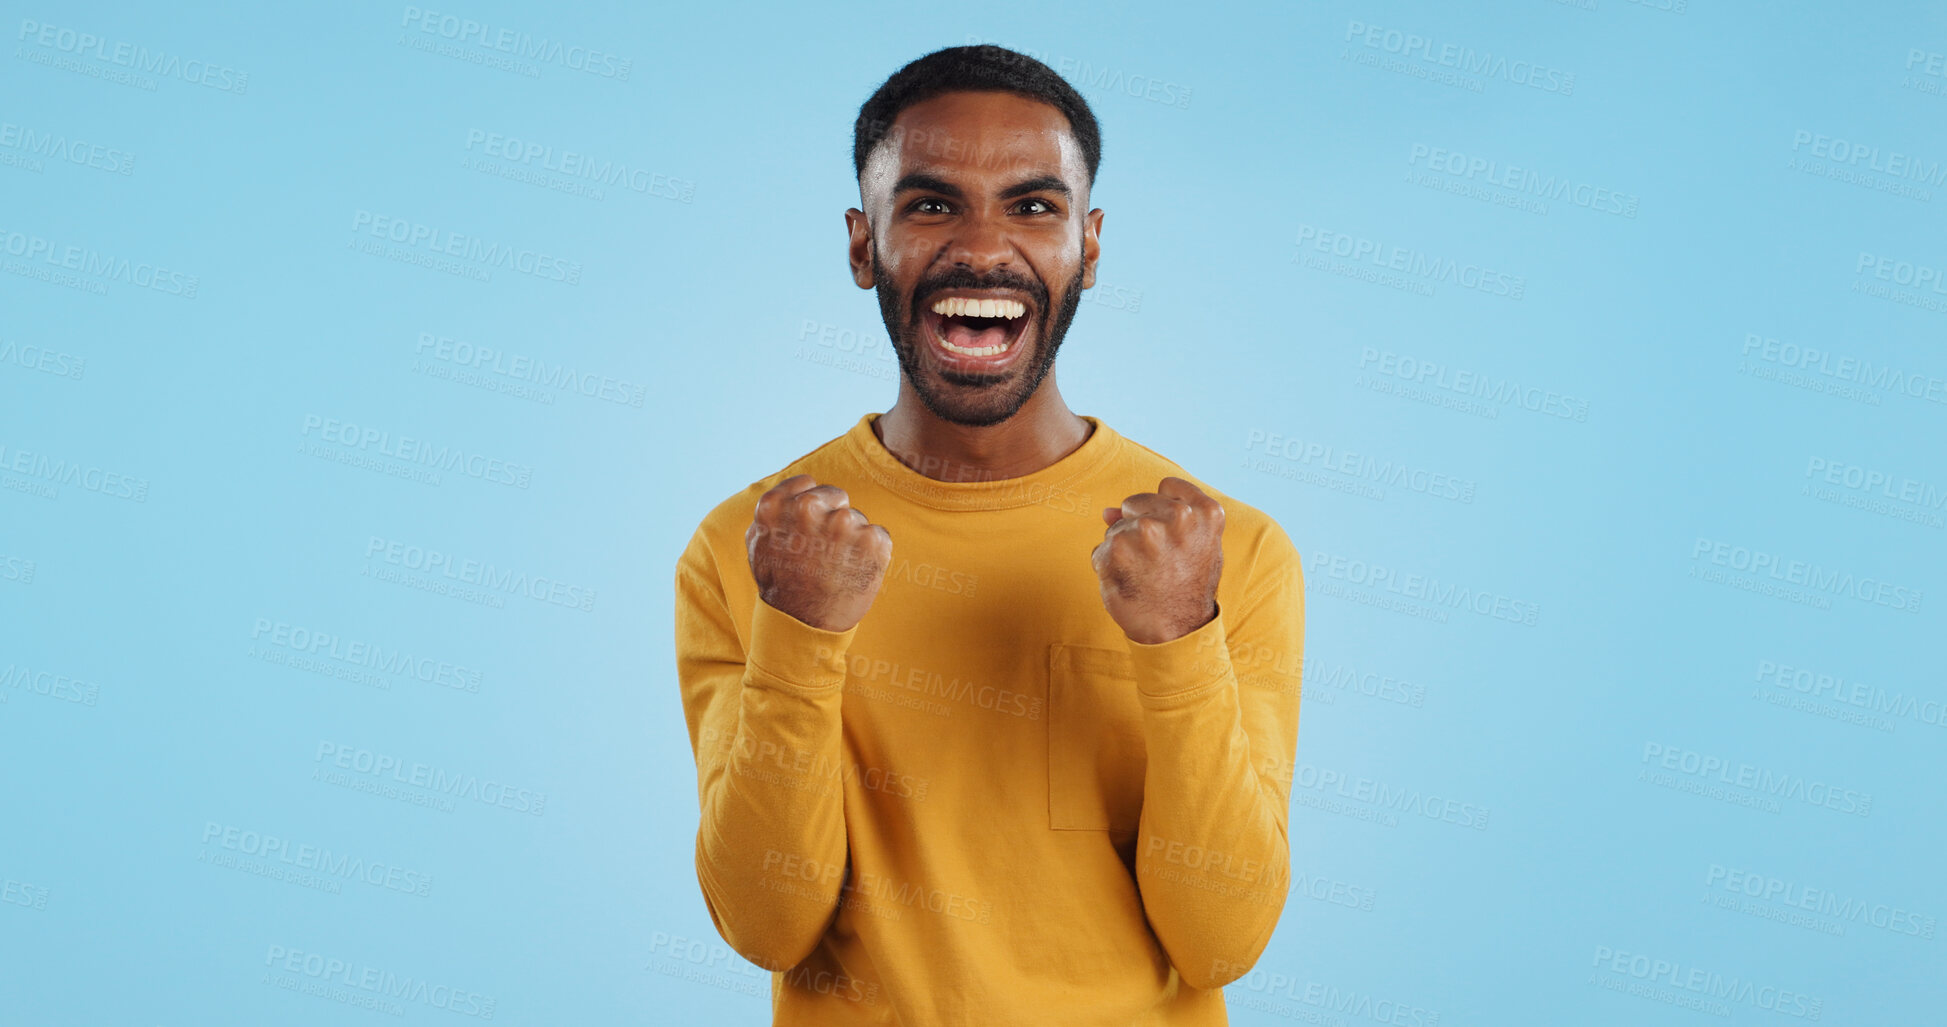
x: 982, y: 68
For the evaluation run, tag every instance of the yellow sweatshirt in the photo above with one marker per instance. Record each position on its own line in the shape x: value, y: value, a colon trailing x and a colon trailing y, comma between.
x: 984, y: 804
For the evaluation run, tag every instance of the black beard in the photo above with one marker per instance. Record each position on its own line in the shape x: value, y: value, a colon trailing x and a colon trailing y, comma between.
x: 992, y: 403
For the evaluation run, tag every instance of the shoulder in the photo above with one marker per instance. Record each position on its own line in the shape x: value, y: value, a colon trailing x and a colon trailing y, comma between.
x: 1254, y: 541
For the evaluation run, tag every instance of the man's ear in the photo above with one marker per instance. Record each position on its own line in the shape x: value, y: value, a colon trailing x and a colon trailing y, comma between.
x: 858, y: 247
x: 1091, y: 246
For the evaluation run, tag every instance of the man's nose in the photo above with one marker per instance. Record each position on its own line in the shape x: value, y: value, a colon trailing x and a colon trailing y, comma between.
x: 981, y: 244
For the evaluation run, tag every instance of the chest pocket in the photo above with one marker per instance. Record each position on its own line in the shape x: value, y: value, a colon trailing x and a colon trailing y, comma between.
x: 1095, y: 741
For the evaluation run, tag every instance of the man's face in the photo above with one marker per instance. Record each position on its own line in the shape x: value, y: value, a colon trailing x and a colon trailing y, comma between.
x: 977, y: 246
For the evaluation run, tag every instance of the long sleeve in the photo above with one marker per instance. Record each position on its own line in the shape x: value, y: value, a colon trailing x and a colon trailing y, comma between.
x: 766, y: 731
x: 1220, y: 722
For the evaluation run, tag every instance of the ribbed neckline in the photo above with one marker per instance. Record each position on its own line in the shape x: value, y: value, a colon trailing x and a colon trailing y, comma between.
x: 998, y: 494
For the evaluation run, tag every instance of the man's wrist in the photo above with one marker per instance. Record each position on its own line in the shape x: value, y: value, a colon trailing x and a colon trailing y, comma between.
x: 1159, y: 636
x: 1182, y: 665
x: 788, y: 650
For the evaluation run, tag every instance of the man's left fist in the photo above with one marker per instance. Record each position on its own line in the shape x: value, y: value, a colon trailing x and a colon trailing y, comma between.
x: 1160, y: 560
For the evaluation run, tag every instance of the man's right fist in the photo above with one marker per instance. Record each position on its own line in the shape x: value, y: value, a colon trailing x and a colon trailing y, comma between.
x: 813, y: 556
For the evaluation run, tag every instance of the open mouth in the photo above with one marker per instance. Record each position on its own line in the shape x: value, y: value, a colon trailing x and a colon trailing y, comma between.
x: 973, y: 330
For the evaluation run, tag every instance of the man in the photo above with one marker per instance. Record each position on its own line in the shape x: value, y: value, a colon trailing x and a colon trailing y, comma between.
x: 972, y: 748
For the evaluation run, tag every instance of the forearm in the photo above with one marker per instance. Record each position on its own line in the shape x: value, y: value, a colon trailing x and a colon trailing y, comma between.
x: 771, y: 848
x: 1212, y: 855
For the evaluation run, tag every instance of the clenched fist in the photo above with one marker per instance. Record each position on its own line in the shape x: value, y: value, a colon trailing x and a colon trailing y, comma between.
x: 1160, y: 560
x: 813, y: 556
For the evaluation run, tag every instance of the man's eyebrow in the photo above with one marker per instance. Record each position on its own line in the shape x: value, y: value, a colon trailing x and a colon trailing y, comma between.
x: 935, y: 184
x: 1043, y: 184
x: 929, y: 183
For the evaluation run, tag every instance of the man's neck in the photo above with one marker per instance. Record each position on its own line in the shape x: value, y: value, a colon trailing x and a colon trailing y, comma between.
x: 1043, y: 431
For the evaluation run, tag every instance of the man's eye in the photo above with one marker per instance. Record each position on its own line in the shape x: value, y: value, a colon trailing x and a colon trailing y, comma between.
x: 920, y: 206
x: 1045, y: 206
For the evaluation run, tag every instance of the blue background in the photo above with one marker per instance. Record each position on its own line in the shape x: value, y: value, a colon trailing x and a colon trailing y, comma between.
x: 196, y: 306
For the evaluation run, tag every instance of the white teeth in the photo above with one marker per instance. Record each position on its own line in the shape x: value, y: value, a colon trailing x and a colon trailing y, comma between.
x: 970, y: 351
x: 962, y: 306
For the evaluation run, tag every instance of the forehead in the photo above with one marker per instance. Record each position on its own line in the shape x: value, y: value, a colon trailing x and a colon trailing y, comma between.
x: 978, y: 134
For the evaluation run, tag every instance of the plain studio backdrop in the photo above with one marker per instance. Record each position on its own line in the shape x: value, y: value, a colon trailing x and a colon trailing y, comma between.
x: 363, y: 369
